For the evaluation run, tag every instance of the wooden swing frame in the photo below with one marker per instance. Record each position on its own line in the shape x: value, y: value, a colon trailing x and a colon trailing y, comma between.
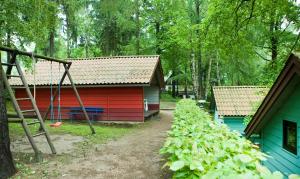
x: 14, y: 52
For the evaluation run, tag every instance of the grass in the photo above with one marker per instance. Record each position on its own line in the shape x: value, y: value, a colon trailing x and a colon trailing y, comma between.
x: 9, y: 107
x: 166, y: 97
x: 103, y: 132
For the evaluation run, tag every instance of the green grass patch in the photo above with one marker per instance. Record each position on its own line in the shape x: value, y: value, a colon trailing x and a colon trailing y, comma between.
x: 166, y: 97
x: 103, y: 132
x: 9, y: 107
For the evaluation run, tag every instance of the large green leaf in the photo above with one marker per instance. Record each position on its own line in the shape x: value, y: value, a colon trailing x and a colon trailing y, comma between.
x: 177, y: 165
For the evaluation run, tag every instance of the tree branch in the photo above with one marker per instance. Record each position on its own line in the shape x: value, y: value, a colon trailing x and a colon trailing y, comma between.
x: 295, y: 43
x: 247, y: 20
x: 262, y: 56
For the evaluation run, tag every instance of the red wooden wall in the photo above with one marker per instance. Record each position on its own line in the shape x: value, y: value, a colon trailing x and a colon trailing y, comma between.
x: 119, y: 103
x: 153, y: 106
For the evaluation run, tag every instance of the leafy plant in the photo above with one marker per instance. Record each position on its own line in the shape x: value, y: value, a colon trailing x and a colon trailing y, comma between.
x: 197, y: 147
x: 254, y: 107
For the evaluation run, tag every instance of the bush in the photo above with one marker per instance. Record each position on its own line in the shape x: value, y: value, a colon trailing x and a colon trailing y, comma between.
x: 197, y: 147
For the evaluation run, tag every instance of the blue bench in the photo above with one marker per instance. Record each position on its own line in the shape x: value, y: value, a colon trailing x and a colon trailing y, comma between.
x: 91, y: 111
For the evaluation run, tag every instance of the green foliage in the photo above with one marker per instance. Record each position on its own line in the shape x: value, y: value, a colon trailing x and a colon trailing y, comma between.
x: 255, y: 107
x: 166, y: 97
x: 233, y: 42
x: 248, y: 118
x: 197, y: 147
x: 27, y: 21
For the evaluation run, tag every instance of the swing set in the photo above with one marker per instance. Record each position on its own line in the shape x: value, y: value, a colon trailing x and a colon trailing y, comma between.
x: 58, y: 121
x: 25, y: 122
x: 52, y: 114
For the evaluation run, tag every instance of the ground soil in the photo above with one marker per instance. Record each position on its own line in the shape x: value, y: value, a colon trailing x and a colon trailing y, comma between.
x: 135, y: 155
x: 63, y: 144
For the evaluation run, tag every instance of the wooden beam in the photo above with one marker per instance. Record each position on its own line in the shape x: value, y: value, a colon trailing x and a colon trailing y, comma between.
x: 29, y: 54
x: 79, y: 99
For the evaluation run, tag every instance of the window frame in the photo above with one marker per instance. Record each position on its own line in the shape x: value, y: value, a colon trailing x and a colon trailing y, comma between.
x: 285, y: 125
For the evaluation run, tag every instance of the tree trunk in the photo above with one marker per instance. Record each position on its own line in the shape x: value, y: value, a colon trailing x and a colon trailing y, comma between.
x: 218, y: 70
x: 51, y: 44
x: 8, y: 40
x: 177, y: 88
x: 86, y: 47
x: 114, y: 47
x: 173, y: 88
x: 199, y: 54
x: 185, y: 83
x: 7, y: 167
x: 66, y: 11
x: 208, y: 78
x: 157, y: 31
x: 274, y: 41
x: 86, y: 44
x: 274, y: 26
x: 195, y: 77
x: 138, y: 26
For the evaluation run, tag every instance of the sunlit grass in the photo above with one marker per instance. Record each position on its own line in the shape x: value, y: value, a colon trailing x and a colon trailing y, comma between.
x: 166, y: 97
x: 103, y: 132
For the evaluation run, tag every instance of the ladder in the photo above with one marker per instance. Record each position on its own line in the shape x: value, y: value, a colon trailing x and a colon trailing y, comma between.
x: 20, y: 113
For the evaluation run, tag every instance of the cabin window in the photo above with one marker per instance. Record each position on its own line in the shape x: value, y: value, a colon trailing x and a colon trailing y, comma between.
x: 290, y: 136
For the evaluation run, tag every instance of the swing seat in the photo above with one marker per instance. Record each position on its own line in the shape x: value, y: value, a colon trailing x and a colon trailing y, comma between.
x: 57, y: 124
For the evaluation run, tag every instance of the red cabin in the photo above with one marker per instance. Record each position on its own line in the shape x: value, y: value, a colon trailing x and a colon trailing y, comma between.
x: 124, y: 87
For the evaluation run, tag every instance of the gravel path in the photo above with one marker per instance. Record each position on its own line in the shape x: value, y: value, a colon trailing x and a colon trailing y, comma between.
x: 133, y: 156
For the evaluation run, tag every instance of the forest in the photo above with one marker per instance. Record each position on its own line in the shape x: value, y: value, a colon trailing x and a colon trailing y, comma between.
x: 200, y: 42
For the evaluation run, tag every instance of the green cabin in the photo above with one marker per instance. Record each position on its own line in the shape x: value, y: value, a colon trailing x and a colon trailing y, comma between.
x: 231, y: 104
x: 277, y: 121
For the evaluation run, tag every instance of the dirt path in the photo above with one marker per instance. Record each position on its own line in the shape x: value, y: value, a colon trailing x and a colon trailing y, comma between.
x: 133, y: 156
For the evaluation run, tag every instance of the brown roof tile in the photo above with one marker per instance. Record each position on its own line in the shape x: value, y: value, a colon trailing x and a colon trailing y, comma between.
x: 237, y: 100
x: 99, y: 70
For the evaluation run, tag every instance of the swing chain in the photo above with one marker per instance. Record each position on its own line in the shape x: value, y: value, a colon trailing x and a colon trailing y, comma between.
x: 59, y: 95
x: 34, y: 75
x: 51, y: 95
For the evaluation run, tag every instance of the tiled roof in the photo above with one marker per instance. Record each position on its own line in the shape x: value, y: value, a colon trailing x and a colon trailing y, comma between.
x: 237, y: 100
x: 99, y: 70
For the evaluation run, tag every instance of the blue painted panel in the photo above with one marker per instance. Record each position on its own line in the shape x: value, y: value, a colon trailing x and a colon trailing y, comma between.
x: 216, y: 116
x: 151, y: 93
x: 235, y: 123
x: 272, y: 134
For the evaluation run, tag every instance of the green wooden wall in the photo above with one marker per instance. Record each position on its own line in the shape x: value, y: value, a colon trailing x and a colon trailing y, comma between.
x: 235, y: 123
x: 287, y: 108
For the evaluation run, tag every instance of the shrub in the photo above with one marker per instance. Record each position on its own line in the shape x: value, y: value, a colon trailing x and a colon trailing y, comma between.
x: 197, y: 147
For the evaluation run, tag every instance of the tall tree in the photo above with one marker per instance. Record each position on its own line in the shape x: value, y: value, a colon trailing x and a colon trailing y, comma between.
x: 138, y: 26
x: 7, y: 167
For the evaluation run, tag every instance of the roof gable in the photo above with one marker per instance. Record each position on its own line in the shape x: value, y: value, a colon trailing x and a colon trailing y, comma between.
x: 237, y: 100
x: 286, y: 76
x: 119, y: 70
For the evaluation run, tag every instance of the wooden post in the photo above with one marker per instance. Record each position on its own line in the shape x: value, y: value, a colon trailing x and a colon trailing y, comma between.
x: 37, y: 112
x: 79, y: 99
x: 18, y: 111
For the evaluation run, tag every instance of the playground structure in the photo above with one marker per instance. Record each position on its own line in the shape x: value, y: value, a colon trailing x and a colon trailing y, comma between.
x: 13, y: 62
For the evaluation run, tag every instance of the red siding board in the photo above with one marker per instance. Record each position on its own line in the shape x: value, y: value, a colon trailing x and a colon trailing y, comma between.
x: 153, y: 106
x: 119, y: 103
